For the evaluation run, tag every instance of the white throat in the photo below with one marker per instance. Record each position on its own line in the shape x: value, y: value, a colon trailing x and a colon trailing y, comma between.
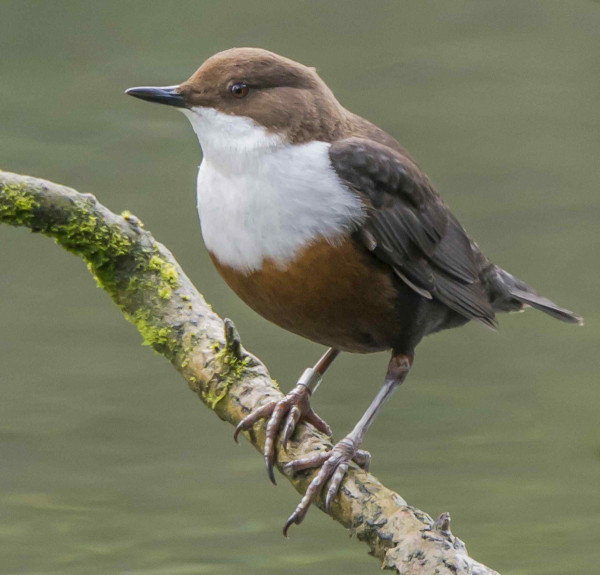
x: 260, y: 197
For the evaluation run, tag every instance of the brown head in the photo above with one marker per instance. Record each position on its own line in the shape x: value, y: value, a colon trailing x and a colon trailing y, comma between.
x: 282, y: 95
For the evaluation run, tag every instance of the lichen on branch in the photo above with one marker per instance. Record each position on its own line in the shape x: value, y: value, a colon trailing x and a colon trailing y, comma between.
x: 143, y: 278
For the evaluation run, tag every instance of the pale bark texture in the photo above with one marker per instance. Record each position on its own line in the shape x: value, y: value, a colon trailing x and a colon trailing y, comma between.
x: 146, y: 282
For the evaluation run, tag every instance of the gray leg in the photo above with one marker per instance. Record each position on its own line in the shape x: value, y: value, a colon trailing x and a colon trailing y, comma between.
x: 334, y: 463
x: 294, y: 407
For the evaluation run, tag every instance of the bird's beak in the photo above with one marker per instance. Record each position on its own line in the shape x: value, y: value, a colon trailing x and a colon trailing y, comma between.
x: 165, y: 95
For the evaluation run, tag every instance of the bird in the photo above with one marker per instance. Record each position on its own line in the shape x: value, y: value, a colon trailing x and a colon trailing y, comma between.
x: 325, y: 225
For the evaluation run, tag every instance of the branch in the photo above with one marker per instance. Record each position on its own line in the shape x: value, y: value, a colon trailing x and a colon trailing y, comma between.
x: 146, y: 282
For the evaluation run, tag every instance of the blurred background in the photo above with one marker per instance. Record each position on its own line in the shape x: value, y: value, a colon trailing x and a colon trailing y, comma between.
x: 110, y: 465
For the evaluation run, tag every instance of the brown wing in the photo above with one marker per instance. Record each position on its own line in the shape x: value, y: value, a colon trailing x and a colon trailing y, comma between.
x: 409, y: 227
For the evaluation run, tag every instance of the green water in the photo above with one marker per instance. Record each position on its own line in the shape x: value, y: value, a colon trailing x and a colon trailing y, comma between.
x: 108, y: 464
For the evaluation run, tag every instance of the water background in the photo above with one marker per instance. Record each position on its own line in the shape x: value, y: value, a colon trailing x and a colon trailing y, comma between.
x: 108, y: 464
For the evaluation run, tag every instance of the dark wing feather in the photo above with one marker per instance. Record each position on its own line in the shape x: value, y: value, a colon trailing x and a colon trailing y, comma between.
x: 410, y: 228
x: 454, y: 255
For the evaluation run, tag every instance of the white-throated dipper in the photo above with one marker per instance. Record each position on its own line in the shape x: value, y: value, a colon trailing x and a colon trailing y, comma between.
x: 323, y: 224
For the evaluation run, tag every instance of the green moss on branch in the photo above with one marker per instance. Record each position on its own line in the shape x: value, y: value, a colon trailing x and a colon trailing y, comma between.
x: 125, y: 261
x: 16, y: 205
x: 230, y: 369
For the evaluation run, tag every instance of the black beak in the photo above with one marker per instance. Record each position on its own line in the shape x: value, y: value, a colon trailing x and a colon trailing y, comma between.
x: 165, y: 95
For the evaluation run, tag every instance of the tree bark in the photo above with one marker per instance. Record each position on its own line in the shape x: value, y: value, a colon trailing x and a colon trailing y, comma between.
x: 154, y: 294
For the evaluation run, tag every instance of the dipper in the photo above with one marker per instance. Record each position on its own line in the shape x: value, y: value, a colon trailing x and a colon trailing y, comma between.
x: 324, y: 224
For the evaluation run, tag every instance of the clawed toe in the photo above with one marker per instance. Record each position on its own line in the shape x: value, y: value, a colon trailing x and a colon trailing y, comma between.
x: 334, y: 466
x: 334, y: 484
x: 307, y: 462
x: 283, y: 418
x: 252, y: 418
x: 292, y: 420
x: 318, y: 423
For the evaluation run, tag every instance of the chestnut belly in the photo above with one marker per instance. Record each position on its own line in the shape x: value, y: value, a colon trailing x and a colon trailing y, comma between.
x: 339, y: 296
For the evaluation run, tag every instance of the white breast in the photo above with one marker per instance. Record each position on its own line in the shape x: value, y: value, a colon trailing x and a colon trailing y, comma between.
x: 261, y: 198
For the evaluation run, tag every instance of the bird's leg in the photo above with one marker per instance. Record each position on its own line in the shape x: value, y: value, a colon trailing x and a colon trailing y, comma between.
x: 334, y: 463
x: 294, y: 407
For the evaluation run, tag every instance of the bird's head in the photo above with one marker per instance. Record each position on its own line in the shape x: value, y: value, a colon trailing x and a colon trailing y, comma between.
x: 246, y: 97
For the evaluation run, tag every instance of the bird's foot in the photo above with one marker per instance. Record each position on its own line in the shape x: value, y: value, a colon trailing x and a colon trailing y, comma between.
x: 294, y: 407
x: 334, y: 465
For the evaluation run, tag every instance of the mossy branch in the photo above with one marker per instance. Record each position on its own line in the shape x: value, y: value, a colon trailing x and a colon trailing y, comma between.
x: 145, y: 281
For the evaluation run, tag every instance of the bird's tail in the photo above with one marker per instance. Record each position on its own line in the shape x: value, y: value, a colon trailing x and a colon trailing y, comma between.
x: 509, y: 293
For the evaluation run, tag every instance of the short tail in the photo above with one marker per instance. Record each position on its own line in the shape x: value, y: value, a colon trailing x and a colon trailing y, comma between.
x: 508, y: 293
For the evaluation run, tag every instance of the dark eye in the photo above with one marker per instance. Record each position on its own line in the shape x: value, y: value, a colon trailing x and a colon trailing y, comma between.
x: 239, y: 90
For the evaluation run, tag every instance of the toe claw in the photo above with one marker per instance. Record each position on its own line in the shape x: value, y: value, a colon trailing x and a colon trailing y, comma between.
x: 270, y: 471
x: 300, y: 512
x: 318, y: 422
x: 252, y: 418
x: 290, y: 410
x: 290, y: 521
x: 237, y: 431
x: 270, y: 437
x: 334, y: 466
x: 329, y: 499
x: 293, y: 417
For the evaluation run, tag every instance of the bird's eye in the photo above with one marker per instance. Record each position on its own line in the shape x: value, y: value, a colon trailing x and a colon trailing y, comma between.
x: 239, y: 90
